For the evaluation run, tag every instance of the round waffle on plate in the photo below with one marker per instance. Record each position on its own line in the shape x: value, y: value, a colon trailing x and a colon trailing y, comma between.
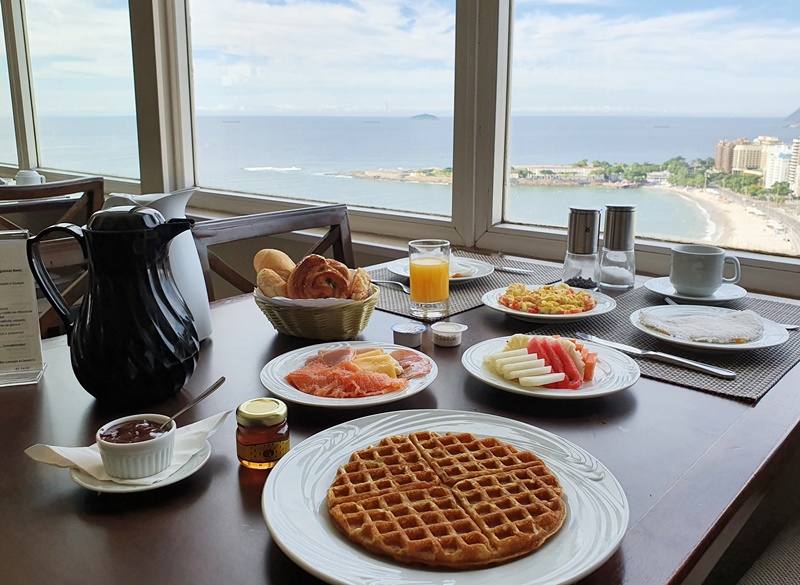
x: 449, y: 500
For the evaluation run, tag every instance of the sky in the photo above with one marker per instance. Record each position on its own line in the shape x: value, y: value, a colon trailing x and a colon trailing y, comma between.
x: 393, y: 57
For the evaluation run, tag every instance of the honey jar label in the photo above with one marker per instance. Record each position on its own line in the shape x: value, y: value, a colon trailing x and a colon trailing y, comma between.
x: 262, y: 452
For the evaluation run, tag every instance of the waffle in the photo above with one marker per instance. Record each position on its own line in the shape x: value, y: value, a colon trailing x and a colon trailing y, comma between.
x: 451, y: 500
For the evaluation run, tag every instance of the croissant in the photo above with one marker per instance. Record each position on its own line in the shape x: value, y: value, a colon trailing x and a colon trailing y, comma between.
x: 316, y: 277
x: 360, y: 284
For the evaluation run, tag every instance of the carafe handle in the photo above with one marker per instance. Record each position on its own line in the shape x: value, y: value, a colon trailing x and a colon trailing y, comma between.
x: 43, y: 277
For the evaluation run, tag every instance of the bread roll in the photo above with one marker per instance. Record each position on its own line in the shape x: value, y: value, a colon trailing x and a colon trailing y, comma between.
x: 275, y: 260
x: 316, y: 277
x: 360, y: 284
x: 270, y: 283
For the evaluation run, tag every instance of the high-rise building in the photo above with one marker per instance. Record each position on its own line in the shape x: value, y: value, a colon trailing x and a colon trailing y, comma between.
x: 747, y: 158
x: 723, y: 159
x: 794, y: 168
x: 777, y: 162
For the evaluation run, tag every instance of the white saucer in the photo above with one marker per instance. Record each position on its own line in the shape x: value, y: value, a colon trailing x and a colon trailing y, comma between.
x: 195, y: 462
x: 726, y: 292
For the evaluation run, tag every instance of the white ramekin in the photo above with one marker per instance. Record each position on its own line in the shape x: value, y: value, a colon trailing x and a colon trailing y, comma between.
x: 134, y: 460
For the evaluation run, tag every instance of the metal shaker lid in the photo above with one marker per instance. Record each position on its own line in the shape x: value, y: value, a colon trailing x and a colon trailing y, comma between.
x: 583, y: 229
x: 620, y: 227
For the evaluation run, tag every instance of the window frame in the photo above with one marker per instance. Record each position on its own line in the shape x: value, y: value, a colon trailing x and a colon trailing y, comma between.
x: 165, y: 123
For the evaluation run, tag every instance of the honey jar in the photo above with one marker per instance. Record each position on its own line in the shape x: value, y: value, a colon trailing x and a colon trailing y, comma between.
x: 262, y: 433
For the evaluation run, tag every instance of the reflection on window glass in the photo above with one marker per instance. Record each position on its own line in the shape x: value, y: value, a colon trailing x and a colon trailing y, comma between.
x: 83, y: 85
x: 8, y: 148
x: 688, y: 110
x: 326, y: 101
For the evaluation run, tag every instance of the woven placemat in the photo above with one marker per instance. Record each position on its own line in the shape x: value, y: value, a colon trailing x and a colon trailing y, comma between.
x: 465, y: 295
x: 757, y: 370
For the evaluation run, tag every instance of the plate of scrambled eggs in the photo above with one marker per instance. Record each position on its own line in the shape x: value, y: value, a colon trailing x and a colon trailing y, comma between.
x: 548, y: 303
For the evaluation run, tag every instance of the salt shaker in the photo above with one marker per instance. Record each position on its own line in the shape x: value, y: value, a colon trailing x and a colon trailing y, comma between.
x: 616, y: 268
x: 580, y: 262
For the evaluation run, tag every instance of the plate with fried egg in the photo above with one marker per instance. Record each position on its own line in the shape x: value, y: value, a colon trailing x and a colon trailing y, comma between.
x: 548, y: 300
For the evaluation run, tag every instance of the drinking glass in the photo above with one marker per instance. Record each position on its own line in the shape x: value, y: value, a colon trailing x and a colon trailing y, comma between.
x: 429, y: 272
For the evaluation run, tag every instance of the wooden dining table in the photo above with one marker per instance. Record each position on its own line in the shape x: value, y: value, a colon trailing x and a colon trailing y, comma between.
x: 693, y: 465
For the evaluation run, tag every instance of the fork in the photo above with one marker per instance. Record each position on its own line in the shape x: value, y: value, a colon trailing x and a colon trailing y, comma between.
x: 787, y: 326
x: 396, y: 283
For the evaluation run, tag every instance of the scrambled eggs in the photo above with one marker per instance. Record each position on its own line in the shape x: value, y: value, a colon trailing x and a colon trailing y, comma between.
x: 552, y: 299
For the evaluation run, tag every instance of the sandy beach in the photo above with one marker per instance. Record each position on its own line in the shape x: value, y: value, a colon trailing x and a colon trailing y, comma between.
x: 737, y: 228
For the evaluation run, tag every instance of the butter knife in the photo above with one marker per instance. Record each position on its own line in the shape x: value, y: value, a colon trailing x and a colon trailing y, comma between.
x: 662, y: 357
x: 513, y: 270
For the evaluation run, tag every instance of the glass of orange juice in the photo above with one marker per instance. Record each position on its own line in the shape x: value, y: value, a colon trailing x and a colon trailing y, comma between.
x: 429, y: 273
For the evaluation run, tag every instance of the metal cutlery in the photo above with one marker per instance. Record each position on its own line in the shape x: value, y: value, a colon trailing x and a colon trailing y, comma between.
x: 513, y: 270
x: 787, y: 326
x: 662, y: 357
x: 403, y: 286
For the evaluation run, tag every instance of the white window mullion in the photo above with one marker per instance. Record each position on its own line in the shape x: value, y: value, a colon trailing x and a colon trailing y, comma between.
x: 19, y: 73
x: 163, y: 105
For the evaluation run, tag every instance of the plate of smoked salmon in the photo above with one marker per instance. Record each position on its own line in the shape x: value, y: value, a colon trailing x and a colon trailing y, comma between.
x: 350, y: 374
x: 550, y: 367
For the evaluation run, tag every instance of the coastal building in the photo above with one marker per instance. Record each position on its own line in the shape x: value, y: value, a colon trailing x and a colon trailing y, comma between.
x: 794, y: 168
x: 778, y: 159
x: 723, y: 159
x: 747, y: 159
x: 658, y: 177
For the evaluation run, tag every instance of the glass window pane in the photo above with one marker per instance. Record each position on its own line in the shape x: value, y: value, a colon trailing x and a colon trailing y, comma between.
x: 644, y: 103
x: 326, y: 101
x: 8, y: 147
x: 83, y: 85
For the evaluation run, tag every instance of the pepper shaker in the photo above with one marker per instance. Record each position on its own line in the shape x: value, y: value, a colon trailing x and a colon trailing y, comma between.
x: 616, y: 268
x: 583, y: 229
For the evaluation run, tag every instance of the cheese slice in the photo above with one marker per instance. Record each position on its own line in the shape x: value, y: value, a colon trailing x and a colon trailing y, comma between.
x: 382, y: 363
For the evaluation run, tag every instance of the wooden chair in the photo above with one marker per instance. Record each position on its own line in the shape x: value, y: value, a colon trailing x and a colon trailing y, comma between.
x: 34, y: 207
x: 337, y: 238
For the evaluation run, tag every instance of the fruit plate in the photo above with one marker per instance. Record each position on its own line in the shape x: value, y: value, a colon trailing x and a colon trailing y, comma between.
x: 613, y: 373
x: 604, y: 304
x: 295, y: 510
x: 272, y: 377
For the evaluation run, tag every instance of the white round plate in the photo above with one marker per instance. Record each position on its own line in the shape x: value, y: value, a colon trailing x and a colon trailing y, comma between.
x: 273, y: 377
x: 194, y: 463
x: 726, y: 292
x: 604, y: 305
x: 613, y: 373
x: 400, y: 268
x: 295, y: 509
x: 774, y: 334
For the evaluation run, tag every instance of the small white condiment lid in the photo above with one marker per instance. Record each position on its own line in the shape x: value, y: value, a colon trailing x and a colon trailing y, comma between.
x: 408, y: 334
x: 447, y: 334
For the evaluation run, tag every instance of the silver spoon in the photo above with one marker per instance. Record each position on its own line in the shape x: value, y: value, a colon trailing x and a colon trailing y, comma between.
x: 210, y: 389
x: 787, y: 326
x: 396, y: 283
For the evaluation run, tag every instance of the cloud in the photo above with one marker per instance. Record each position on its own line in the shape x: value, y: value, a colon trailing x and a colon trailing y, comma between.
x: 397, y: 57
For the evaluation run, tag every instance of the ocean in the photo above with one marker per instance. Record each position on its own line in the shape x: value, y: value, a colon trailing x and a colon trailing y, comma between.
x: 307, y: 158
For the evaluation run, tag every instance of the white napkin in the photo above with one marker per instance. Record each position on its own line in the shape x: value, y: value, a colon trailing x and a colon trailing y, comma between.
x: 188, y: 441
x: 461, y: 269
x: 285, y: 302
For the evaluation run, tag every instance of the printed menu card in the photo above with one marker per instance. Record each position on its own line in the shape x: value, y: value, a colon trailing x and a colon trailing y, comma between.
x: 20, y: 343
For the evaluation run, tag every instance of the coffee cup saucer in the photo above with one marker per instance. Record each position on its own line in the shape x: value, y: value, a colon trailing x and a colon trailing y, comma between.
x: 725, y: 293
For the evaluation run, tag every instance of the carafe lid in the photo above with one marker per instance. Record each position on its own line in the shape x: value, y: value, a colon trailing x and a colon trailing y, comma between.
x: 125, y: 218
x: 620, y: 227
x: 583, y: 228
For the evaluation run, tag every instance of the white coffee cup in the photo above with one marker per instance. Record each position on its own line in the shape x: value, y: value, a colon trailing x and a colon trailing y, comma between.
x: 698, y: 271
x: 26, y: 177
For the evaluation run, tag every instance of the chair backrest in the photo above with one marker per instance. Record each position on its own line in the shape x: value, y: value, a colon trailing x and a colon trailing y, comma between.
x: 72, y: 201
x: 76, y: 200
x: 218, y: 231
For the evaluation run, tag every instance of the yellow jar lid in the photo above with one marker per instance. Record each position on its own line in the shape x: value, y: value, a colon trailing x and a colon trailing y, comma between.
x: 261, y: 412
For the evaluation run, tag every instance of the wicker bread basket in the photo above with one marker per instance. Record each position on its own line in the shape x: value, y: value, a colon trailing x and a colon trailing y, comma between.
x: 335, y: 323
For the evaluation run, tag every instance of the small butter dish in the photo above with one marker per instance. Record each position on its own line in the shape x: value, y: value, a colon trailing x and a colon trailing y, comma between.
x: 408, y: 334
x: 447, y: 334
